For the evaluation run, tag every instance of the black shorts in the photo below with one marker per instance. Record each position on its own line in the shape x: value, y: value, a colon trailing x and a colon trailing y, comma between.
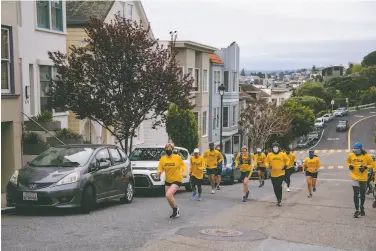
x: 244, y: 175
x: 262, y: 169
x: 212, y: 171
x: 167, y: 184
x: 313, y: 175
x: 195, y: 181
x: 218, y: 172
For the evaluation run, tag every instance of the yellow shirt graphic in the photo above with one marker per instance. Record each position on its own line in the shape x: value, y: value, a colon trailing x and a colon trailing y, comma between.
x: 197, y: 167
x: 259, y: 159
x: 246, y: 162
x: 212, y: 158
x: 312, y: 165
x: 173, y: 166
x: 357, y: 162
x: 276, y: 162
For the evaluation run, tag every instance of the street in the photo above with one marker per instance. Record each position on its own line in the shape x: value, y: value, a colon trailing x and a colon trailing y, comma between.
x: 324, y: 222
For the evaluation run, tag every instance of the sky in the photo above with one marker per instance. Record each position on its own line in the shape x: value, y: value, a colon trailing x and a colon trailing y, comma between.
x: 272, y: 35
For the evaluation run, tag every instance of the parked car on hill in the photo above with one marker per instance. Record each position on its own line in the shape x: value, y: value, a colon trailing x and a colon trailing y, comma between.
x: 342, y: 126
x: 328, y: 117
x: 340, y: 112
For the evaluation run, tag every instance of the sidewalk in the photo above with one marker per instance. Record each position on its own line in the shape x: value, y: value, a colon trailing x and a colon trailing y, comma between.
x: 4, y: 203
x: 323, y: 223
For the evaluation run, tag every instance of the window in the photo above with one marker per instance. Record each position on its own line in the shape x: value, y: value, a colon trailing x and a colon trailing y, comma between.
x: 225, y: 116
x: 204, y: 123
x: 181, y: 74
x: 217, y: 80
x: 234, y: 81
x: 123, y: 154
x: 234, y: 115
x: 116, y: 157
x: 5, y: 60
x: 190, y: 72
x: 50, y: 15
x: 197, y: 79
x: 196, y: 117
x: 282, y: 100
x: 225, y: 81
x: 129, y: 11
x: 45, y: 74
x: 216, y: 118
x: 102, y: 156
x: 205, y: 80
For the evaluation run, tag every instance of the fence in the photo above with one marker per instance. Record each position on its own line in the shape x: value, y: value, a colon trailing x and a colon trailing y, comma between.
x: 359, y: 107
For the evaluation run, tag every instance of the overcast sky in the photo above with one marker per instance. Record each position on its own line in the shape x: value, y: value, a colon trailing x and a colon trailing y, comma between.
x: 272, y: 35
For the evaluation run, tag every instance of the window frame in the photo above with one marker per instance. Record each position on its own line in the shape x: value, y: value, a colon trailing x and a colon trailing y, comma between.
x: 10, y: 60
x: 50, y: 27
x: 197, y: 118
x: 228, y: 117
x: 204, y: 123
x: 126, y: 9
x: 234, y: 115
x: 234, y: 79
x: 205, y: 81
x: 122, y: 161
x: 228, y: 80
x: 108, y: 152
x: 197, y: 79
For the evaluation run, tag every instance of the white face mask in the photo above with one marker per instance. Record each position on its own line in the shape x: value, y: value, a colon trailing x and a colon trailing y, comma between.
x: 275, y: 149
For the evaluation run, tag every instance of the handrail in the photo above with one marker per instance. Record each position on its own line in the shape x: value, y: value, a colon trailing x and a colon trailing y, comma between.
x: 362, y: 106
x: 43, y: 128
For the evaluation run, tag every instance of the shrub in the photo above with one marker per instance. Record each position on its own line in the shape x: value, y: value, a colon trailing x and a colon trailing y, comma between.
x: 44, y: 116
x: 32, y: 138
x: 67, y: 134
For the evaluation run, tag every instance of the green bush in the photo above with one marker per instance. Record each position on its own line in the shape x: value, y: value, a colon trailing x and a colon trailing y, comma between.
x: 44, y: 116
x: 321, y: 113
x: 32, y: 138
x: 67, y: 134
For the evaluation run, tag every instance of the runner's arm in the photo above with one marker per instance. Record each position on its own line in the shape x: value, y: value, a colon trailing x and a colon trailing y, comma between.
x: 237, y: 160
x: 318, y: 164
x: 220, y: 156
x: 160, y: 169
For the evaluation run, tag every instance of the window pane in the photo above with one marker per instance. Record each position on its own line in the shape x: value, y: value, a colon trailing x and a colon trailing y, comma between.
x: 204, y: 81
x: 46, y: 103
x: 204, y: 123
x: 115, y: 155
x: 218, y: 112
x: 234, y: 82
x: 56, y: 15
x: 129, y: 10
x: 4, y: 44
x: 102, y: 155
x: 45, y: 73
x: 197, y: 78
x: 43, y: 19
x: 4, y: 75
x: 225, y: 81
x: 225, y: 116
x: 196, y: 116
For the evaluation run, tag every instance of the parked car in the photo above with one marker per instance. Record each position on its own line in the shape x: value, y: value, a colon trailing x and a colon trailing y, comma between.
x: 314, y: 135
x: 145, y: 162
x: 229, y: 172
x: 328, y: 117
x: 342, y: 126
x: 319, y: 123
x: 299, y: 165
x: 307, y: 142
x: 72, y: 176
x: 340, y: 112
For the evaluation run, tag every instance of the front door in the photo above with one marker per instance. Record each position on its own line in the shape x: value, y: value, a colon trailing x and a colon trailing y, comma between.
x: 102, y: 181
x: 117, y: 172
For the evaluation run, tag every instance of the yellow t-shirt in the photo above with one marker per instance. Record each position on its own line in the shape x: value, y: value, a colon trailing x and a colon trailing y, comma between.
x: 259, y: 159
x: 246, y: 165
x: 312, y: 165
x: 197, y: 167
x: 173, y: 166
x: 212, y: 158
x: 357, y: 162
x: 292, y: 160
x: 276, y: 162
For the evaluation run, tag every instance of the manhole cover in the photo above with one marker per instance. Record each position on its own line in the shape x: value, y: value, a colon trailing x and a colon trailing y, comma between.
x: 221, y: 232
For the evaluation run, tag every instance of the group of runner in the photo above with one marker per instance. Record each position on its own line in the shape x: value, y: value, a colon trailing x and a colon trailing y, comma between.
x: 279, y: 162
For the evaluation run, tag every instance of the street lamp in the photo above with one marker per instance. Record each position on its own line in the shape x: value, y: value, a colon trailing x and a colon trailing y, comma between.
x: 221, y: 90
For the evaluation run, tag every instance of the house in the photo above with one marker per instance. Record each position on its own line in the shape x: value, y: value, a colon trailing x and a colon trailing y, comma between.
x: 230, y: 80
x: 278, y: 96
x: 78, y: 15
x: 332, y: 72
x: 11, y: 92
x: 42, y: 24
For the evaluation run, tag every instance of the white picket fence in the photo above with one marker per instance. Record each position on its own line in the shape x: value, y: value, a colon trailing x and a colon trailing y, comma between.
x: 360, y: 107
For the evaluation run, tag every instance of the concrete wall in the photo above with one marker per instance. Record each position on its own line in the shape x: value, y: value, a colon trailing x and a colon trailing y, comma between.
x: 11, y: 157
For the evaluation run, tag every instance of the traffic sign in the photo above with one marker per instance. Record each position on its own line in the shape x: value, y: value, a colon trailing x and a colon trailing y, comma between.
x: 332, y: 102
x: 347, y: 100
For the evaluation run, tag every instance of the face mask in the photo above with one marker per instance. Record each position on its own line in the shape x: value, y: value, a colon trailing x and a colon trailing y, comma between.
x: 288, y: 152
x: 168, y: 152
x: 275, y: 149
x: 196, y: 155
x: 357, y: 151
x: 311, y: 155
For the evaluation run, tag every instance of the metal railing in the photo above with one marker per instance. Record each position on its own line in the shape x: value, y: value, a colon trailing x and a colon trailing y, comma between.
x: 359, y: 107
x: 43, y: 128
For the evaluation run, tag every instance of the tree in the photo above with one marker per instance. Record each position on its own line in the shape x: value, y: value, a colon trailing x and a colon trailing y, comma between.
x: 262, y: 120
x: 121, y: 78
x: 369, y: 60
x: 314, y: 103
x: 313, y: 68
x: 369, y: 73
x: 182, y: 128
x: 242, y: 72
x: 303, y: 118
x: 354, y: 68
x: 314, y: 89
x: 260, y: 75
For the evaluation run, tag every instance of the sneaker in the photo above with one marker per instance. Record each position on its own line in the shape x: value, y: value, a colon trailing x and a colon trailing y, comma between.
x: 193, y: 196
x: 263, y: 183
x: 279, y: 204
x: 244, y: 199
x: 374, y: 204
x: 356, y: 214
x: 288, y: 189
x: 362, y: 213
x: 246, y: 195
x: 213, y: 192
x: 175, y: 213
x: 310, y: 195
x: 314, y: 189
x: 199, y: 198
x: 260, y: 185
x: 218, y: 188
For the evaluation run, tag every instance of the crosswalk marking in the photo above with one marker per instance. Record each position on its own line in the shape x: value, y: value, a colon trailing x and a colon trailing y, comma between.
x: 330, y: 167
x: 340, y: 167
x: 333, y: 151
x: 339, y: 151
x: 321, y: 167
x: 323, y: 151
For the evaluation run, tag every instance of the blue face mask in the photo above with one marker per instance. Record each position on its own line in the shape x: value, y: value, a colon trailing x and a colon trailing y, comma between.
x: 311, y: 155
x: 357, y: 151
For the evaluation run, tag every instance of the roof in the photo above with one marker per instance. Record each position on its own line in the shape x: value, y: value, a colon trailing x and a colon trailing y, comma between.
x: 79, y: 12
x: 215, y: 59
x: 194, y: 46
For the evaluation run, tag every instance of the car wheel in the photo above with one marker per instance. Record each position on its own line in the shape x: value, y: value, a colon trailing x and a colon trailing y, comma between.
x: 129, y: 193
x: 88, y: 201
x: 188, y: 187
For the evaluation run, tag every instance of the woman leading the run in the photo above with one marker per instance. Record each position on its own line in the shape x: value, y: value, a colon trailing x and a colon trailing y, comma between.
x: 358, y: 162
x: 311, y: 166
x: 197, y: 173
x: 244, y: 159
x: 174, y: 168
x: 278, y: 162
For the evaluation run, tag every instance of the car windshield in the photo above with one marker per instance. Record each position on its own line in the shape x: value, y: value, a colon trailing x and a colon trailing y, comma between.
x: 341, y: 122
x: 63, y: 157
x: 318, y: 121
x: 147, y: 154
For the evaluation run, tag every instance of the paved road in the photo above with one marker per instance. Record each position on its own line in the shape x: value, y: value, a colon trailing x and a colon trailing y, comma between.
x: 362, y: 131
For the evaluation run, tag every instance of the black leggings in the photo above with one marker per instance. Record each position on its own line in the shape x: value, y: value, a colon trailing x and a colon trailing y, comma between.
x: 362, y: 190
x: 277, y: 185
x: 288, y: 175
x: 196, y: 182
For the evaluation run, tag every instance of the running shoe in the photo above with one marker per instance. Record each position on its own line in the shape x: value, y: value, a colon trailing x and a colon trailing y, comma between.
x: 199, y: 198
x: 310, y: 195
x: 263, y: 183
x: 193, y: 196
x: 213, y: 192
x: 246, y: 195
x: 244, y: 199
x: 218, y: 188
x: 356, y: 214
x: 288, y: 189
x: 260, y: 185
x: 362, y: 213
x: 374, y: 204
x: 279, y: 204
x: 175, y: 213
x: 314, y: 189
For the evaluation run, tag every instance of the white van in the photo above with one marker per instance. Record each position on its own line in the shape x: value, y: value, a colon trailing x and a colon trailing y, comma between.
x: 145, y: 160
x: 319, y: 122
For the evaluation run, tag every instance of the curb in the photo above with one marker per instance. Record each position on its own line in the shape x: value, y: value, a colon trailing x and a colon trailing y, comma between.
x: 7, y: 209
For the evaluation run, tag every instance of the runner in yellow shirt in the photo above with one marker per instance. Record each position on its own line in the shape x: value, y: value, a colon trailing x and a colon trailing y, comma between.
x: 290, y: 168
x: 259, y: 161
x: 244, y: 160
x: 212, y: 158
x: 358, y: 162
x: 197, y: 173
x: 174, y: 168
x: 311, y: 165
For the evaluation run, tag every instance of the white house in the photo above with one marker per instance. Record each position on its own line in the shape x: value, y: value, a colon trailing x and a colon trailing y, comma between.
x: 278, y: 95
x: 42, y: 28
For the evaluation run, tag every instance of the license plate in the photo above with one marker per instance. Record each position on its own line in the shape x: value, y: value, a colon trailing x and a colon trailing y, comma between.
x: 30, y: 196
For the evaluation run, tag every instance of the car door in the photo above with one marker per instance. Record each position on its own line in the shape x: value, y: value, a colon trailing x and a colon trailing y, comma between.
x: 101, y: 176
x: 117, y: 171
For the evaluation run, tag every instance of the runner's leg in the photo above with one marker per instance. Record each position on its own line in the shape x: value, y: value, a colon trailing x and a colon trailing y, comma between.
x: 314, y: 180
x: 309, y: 185
x: 280, y: 180
x: 287, y: 178
x: 219, y: 172
x: 193, y: 183
x: 170, y: 191
x: 259, y: 173
x: 275, y: 187
x: 362, y: 191
x: 356, y: 190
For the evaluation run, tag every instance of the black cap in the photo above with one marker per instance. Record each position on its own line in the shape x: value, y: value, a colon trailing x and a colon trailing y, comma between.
x: 275, y: 144
x: 211, y: 144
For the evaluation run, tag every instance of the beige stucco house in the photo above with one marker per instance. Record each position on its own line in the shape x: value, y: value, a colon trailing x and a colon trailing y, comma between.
x: 11, y: 100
